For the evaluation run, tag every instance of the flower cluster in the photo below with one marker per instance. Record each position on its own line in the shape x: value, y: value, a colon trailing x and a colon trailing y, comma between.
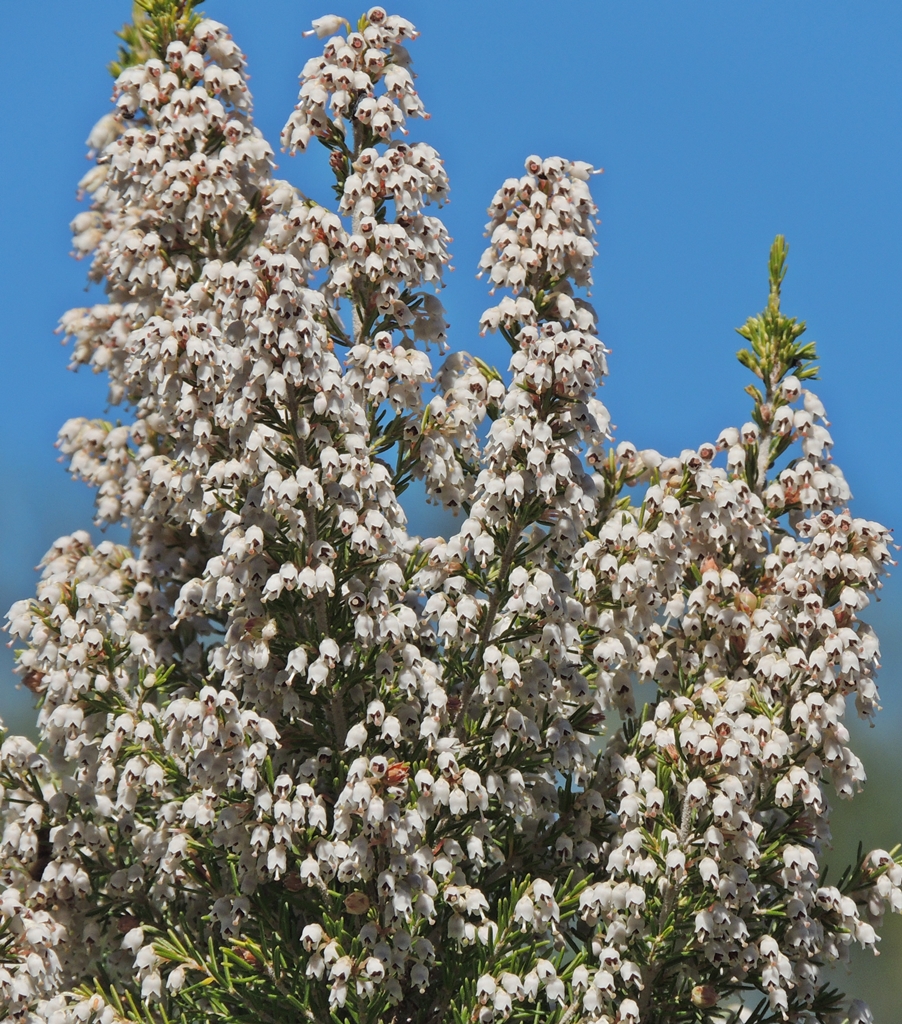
x: 297, y: 763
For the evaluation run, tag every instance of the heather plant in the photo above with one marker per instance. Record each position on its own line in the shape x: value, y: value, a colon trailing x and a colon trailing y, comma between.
x: 570, y: 763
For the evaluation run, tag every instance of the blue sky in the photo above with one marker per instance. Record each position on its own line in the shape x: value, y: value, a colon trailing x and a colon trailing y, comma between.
x: 718, y: 125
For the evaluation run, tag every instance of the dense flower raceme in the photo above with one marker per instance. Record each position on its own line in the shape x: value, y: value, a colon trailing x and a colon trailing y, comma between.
x: 295, y: 761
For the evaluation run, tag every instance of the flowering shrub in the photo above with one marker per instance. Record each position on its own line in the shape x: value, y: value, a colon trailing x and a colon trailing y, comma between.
x: 296, y: 764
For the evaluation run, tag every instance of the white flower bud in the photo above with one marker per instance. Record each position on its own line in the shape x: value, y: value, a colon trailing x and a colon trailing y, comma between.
x: 327, y: 25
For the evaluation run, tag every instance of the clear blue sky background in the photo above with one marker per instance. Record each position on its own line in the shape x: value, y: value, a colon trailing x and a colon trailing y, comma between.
x: 718, y: 125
